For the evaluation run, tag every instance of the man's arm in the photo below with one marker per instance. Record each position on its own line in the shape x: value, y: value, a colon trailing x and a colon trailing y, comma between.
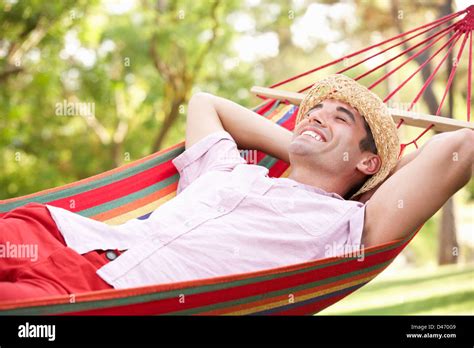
x: 208, y: 113
x: 417, y: 191
x: 401, y: 163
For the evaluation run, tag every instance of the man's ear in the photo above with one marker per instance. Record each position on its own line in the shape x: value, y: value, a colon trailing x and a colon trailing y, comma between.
x: 369, y: 164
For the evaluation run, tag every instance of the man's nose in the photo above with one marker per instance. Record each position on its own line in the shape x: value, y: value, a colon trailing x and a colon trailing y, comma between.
x: 317, y: 117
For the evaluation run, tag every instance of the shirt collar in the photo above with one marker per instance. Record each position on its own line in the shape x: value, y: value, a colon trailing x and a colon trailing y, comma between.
x: 294, y: 183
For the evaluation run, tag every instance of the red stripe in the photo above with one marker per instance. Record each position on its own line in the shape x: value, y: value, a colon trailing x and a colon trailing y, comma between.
x: 136, y: 204
x: 278, y: 169
x: 267, y: 107
x: 260, y: 156
x: 117, y: 189
x: 296, y: 293
x: 280, y: 166
x: 171, y: 305
x: 290, y: 121
x: 94, y: 177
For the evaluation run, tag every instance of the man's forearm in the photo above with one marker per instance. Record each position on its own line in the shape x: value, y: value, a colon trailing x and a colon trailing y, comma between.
x: 252, y: 131
x: 402, y: 162
x: 208, y: 113
x: 411, y: 156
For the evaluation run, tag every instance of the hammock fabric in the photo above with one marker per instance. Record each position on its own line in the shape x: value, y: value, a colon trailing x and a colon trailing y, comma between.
x: 137, y: 189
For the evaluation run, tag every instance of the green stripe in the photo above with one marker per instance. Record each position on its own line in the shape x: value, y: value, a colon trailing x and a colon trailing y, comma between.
x: 98, y: 209
x: 63, y: 308
x: 281, y: 292
x: 268, y: 161
x: 277, y: 104
x: 273, y: 108
x: 68, y: 192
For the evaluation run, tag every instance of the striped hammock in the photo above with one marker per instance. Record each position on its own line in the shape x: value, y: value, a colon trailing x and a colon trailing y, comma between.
x: 137, y: 189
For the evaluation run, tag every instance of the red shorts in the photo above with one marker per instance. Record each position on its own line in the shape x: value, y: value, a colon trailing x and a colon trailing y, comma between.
x: 35, y: 261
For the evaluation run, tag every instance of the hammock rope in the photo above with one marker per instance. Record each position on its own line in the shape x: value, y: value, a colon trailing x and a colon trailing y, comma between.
x: 462, y: 28
x: 137, y: 189
x: 432, y: 24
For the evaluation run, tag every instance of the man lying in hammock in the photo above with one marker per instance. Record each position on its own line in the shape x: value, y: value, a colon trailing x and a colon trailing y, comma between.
x: 229, y: 217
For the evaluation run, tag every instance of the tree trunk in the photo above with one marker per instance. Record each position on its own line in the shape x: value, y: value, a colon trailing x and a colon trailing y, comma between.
x: 448, y: 251
x: 448, y: 248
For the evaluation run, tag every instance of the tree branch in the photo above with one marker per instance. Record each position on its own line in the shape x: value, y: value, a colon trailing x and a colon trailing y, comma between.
x: 211, y: 42
x: 122, y: 114
x: 9, y: 70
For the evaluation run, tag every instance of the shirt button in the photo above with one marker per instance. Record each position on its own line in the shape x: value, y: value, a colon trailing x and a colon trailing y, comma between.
x: 111, y: 255
x: 187, y: 223
x: 221, y: 209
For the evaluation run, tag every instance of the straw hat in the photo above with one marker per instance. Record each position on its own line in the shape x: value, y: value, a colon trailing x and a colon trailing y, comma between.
x: 371, y: 107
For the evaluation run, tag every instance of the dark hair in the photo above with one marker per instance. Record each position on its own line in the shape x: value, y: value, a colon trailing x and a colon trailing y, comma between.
x: 366, y: 144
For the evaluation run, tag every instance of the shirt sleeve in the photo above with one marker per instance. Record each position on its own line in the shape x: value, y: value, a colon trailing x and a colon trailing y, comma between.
x: 216, y: 151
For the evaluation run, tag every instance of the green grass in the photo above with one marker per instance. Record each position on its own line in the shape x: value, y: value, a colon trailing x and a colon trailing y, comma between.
x: 422, y: 250
x: 421, y: 291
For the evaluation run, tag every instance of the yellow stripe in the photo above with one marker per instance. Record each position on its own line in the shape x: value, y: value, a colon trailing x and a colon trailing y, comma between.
x: 280, y: 113
x: 133, y: 214
x: 286, y: 173
x: 281, y: 303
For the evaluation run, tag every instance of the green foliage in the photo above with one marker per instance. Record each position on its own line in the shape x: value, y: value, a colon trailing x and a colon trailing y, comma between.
x: 413, y: 292
x: 80, y: 51
x: 422, y: 249
x: 470, y: 190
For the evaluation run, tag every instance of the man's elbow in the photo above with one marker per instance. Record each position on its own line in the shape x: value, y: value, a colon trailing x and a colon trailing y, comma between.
x: 200, y: 105
x: 462, y: 152
x: 464, y: 142
x: 452, y: 156
x: 457, y: 144
x: 200, y: 96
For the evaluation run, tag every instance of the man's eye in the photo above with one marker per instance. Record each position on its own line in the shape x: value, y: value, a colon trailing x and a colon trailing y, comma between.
x: 340, y: 118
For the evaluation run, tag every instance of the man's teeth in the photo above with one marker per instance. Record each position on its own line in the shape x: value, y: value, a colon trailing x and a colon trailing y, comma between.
x: 313, y: 134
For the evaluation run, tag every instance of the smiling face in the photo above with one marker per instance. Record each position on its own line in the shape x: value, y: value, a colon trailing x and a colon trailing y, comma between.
x: 327, y: 142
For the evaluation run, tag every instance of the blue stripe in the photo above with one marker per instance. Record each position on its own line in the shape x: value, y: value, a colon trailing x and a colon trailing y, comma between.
x: 144, y: 217
x: 287, y: 115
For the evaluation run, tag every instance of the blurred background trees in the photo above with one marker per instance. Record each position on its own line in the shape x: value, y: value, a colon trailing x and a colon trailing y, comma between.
x: 138, y: 62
